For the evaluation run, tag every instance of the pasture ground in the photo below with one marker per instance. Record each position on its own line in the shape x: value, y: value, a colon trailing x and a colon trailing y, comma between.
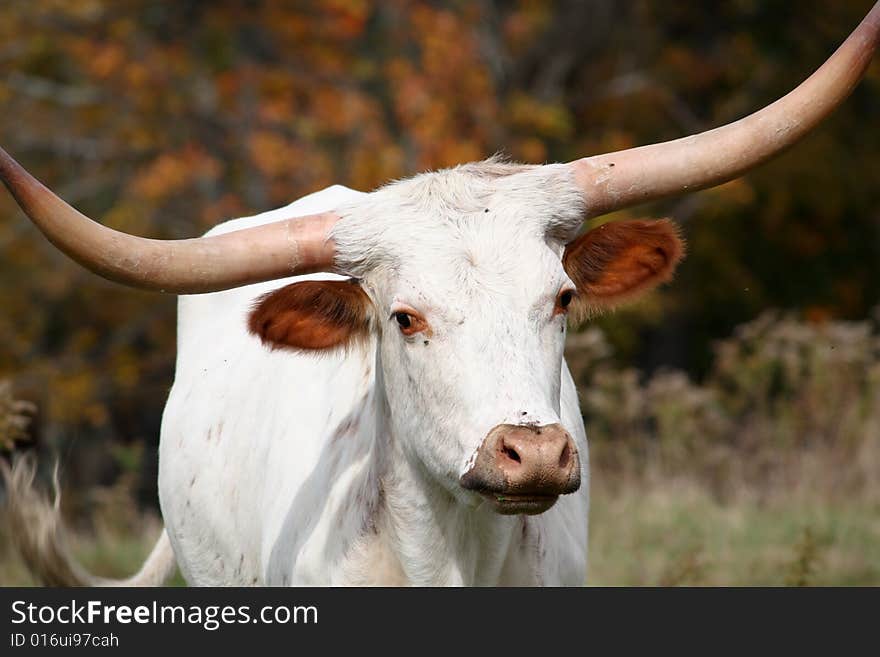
x: 649, y: 529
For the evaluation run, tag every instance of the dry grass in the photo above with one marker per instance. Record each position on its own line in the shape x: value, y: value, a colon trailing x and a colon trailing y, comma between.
x: 669, y: 530
x: 14, y: 416
x: 766, y: 473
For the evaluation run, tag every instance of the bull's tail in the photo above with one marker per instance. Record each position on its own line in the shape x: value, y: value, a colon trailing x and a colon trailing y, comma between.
x: 38, y: 532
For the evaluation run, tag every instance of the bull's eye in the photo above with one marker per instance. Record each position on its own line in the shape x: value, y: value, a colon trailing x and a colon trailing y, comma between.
x: 563, y: 301
x: 409, y: 321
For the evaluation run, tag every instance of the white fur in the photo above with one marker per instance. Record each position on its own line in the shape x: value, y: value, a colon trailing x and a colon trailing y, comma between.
x: 283, y: 468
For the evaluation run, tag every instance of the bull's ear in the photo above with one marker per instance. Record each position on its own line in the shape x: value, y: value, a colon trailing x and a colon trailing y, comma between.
x: 616, y: 262
x: 312, y: 315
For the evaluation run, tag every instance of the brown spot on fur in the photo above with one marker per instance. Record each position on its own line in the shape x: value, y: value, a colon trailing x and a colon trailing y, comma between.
x: 620, y: 260
x: 311, y: 315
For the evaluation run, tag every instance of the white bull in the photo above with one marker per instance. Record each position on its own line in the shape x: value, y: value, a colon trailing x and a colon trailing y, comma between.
x: 414, y: 425
x: 342, y: 467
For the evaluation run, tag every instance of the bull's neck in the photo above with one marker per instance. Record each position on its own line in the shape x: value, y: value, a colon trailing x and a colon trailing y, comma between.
x: 436, y: 539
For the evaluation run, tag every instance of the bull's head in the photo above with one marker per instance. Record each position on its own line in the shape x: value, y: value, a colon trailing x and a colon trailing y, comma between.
x: 464, y: 279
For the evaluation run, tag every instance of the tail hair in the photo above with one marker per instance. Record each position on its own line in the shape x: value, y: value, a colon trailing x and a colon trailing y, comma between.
x: 38, y: 532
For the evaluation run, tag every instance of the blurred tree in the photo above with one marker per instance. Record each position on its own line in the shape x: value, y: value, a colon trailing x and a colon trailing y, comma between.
x: 163, y: 118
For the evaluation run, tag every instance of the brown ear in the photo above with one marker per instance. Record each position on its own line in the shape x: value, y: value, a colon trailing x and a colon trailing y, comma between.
x: 311, y: 315
x: 618, y: 261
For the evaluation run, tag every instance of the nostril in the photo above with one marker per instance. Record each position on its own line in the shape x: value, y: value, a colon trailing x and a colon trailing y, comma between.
x: 565, y: 457
x: 511, y: 453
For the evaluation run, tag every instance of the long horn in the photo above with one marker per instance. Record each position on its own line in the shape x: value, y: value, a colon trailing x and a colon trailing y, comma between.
x: 616, y: 180
x: 190, y: 266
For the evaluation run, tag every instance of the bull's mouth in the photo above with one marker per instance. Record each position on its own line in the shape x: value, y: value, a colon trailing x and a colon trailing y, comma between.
x: 510, y: 504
